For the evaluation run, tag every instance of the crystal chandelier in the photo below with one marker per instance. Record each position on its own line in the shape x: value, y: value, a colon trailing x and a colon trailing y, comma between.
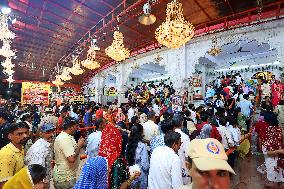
x: 8, y: 71
x: 90, y: 62
x: 117, y: 51
x: 10, y: 79
x: 6, y: 35
x: 4, y: 28
x: 6, y: 49
x: 175, y: 31
x: 76, y: 69
x: 57, y: 81
x: 65, y: 76
x: 215, y: 50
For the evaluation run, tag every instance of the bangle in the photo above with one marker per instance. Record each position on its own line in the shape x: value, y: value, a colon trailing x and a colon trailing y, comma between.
x: 128, y: 182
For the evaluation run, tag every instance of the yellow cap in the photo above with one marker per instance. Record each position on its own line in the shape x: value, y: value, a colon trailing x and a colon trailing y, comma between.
x: 208, y: 154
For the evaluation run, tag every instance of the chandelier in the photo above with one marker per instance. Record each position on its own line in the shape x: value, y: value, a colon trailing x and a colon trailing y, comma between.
x: 57, y: 81
x: 76, y: 69
x: 8, y: 71
x: 175, y: 31
x: 65, y: 76
x: 6, y: 49
x: 117, y: 51
x: 215, y: 50
x: 6, y: 35
x: 4, y: 28
x: 10, y: 79
x: 90, y: 62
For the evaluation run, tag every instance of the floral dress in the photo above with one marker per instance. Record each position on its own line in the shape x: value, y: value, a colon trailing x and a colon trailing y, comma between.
x: 274, y: 164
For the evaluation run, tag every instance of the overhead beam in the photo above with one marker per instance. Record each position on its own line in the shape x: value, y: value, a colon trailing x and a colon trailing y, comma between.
x: 202, y: 9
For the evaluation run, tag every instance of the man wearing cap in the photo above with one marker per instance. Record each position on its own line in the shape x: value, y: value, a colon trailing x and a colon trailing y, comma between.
x: 41, y: 151
x: 208, y: 165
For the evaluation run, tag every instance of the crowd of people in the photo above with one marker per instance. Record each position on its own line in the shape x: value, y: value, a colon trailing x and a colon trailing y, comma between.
x: 144, y: 143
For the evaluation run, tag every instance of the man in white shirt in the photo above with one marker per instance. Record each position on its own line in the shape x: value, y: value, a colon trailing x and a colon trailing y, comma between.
x: 150, y: 128
x: 131, y: 112
x: 94, y: 139
x: 165, y: 165
x: 41, y: 151
x: 178, y: 121
x: 227, y: 140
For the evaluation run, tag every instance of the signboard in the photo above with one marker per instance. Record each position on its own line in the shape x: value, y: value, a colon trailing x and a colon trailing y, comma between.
x: 110, y: 91
x: 77, y: 99
x: 197, y: 87
x: 35, y: 93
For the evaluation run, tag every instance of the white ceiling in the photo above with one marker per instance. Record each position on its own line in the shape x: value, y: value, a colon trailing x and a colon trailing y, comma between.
x: 149, y: 71
x: 242, y: 50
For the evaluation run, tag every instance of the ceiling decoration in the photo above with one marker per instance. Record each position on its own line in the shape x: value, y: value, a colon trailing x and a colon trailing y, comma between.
x: 117, y: 51
x: 175, y: 31
x: 49, y: 32
x: 6, y: 37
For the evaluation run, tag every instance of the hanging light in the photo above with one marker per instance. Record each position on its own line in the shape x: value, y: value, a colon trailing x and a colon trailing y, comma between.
x: 147, y: 18
x: 76, y: 69
x: 10, y: 79
x: 8, y: 71
x: 90, y: 62
x: 6, y: 49
x: 175, y: 31
x: 215, y: 50
x: 57, y: 81
x: 117, y: 51
x: 65, y: 76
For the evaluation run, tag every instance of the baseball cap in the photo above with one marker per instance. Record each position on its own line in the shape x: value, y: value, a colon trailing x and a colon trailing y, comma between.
x: 208, y: 154
x: 47, y: 127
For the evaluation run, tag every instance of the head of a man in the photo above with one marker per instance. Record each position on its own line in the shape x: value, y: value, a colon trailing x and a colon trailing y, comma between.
x: 207, y: 164
x: 151, y: 116
x: 47, y: 132
x: 70, y: 125
x: 18, y: 133
x: 167, y: 125
x: 178, y: 120
x: 3, y: 117
x: 173, y: 140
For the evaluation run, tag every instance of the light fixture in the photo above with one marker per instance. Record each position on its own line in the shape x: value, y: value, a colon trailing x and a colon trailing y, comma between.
x: 10, y: 79
x: 147, y: 18
x: 215, y: 50
x: 8, y: 71
x: 175, y: 31
x: 116, y: 50
x: 76, y: 69
x: 6, y: 49
x: 90, y: 62
x: 65, y: 76
x: 57, y: 81
x: 4, y: 7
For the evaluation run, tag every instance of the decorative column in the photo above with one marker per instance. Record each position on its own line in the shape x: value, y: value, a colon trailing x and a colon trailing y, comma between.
x: 121, y: 83
x: 99, y: 87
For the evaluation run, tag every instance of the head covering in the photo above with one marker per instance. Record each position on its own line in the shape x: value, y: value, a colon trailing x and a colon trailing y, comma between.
x: 99, y: 113
x: 208, y: 154
x: 21, y: 179
x: 47, y: 127
x: 94, y: 174
x: 111, y: 144
x: 205, y: 131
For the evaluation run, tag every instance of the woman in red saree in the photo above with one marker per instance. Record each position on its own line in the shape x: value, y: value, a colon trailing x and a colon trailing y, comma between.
x: 110, y: 148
